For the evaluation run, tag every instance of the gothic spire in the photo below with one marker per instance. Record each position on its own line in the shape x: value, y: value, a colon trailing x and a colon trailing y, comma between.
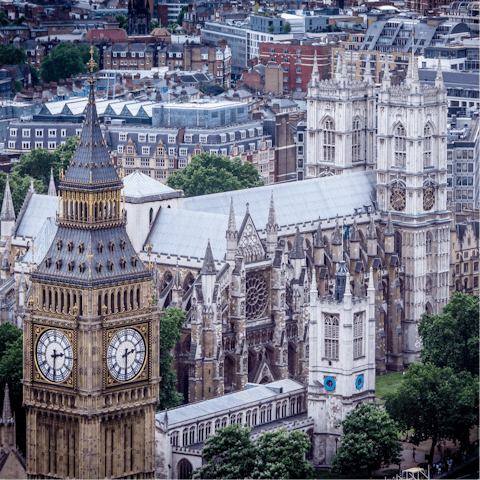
x: 367, y: 74
x: 208, y: 267
x: 52, y: 191
x: 386, y: 82
x: 272, y: 225
x: 337, y: 234
x: 389, y: 228
x: 297, y: 250
x: 439, y: 78
x: 415, y: 77
x: 319, y: 236
x: 371, y: 232
x: 232, y: 226
x: 371, y: 286
x: 338, y: 67
x: 32, y: 186
x: 315, y: 76
x: 91, y: 167
x: 7, y: 410
x: 8, y: 212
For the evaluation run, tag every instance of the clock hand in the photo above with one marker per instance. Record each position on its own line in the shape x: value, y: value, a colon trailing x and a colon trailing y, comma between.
x: 125, y: 355
x: 54, y: 356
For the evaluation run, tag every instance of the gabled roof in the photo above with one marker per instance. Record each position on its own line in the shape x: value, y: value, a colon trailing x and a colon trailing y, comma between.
x: 113, y: 34
x: 39, y: 208
x: 140, y: 188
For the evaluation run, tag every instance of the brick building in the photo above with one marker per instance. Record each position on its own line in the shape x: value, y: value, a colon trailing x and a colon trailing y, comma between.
x: 129, y: 56
x: 296, y: 59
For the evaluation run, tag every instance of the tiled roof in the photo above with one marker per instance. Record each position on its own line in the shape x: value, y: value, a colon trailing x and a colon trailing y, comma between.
x: 207, y: 408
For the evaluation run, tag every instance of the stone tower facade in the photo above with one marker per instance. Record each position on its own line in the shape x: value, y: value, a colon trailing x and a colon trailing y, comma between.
x: 411, y: 183
x: 342, y: 358
x: 340, y: 123
x: 91, y: 333
x: 138, y: 21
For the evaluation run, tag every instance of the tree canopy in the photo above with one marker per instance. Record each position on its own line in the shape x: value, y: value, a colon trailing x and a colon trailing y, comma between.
x: 435, y: 401
x: 11, y: 55
x: 450, y: 339
x: 122, y: 20
x: 171, y: 323
x: 287, y: 28
x: 231, y: 453
x: 11, y: 365
x: 370, y: 438
x: 208, y: 173
x: 64, y: 61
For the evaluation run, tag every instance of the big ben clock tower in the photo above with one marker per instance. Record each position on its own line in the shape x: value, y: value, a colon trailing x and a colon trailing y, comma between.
x: 91, y: 334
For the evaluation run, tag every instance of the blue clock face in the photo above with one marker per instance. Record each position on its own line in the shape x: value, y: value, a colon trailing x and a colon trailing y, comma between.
x: 359, y: 382
x: 329, y: 383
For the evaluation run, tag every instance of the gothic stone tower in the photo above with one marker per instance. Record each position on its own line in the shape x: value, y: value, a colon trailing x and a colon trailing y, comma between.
x: 138, y: 22
x: 411, y: 181
x: 342, y: 359
x: 91, y: 335
x: 340, y: 123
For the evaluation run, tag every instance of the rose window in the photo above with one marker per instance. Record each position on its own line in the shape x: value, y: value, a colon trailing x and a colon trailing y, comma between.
x: 257, y: 295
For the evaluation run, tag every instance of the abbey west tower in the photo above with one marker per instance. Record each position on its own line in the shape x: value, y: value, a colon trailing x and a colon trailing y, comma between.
x: 411, y: 183
x: 91, y: 334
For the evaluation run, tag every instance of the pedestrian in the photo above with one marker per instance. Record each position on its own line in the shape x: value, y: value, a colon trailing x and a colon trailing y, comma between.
x: 449, y: 463
x: 413, y: 453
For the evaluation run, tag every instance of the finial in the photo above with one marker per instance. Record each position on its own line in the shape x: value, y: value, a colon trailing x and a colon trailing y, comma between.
x: 297, y: 250
x: 92, y: 64
x: 232, y: 225
x: 7, y: 411
x: 389, y: 228
x: 439, y: 78
x: 272, y: 219
x: 371, y: 286
x: 208, y: 267
x: 386, y: 83
x: 247, y: 208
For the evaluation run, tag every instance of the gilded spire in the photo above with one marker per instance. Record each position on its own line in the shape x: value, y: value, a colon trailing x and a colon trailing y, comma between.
x: 52, y: 191
x: 7, y: 410
x: 8, y: 212
x: 208, y: 267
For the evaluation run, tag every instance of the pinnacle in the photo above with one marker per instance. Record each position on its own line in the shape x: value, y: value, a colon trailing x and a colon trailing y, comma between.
x: 272, y: 219
x: 354, y: 235
x: 386, y: 83
x: 389, y: 228
x: 8, y: 212
x: 371, y: 232
x: 7, y: 410
x: 337, y: 235
x: 297, y: 250
x: 208, y: 267
x: 232, y: 226
x: 52, y: 191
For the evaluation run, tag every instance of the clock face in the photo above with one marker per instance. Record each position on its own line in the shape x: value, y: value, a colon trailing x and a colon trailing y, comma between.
x: 397, y: 199
x: 54, y: 356
x: 126, y: 354
x: 428, y: 199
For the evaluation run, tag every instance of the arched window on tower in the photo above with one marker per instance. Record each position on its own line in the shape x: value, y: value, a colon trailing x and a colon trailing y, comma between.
x: 356, y: 141
x: 358, y: 335
x: 428, y: 247
x: 329, y: 141
x: 427, y: 147
x: 331, y: 337
x: 400, y: 147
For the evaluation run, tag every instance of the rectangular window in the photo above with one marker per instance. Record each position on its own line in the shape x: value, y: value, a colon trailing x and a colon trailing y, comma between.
x: 465, y: 268
x: 39, y: 133
x: 232, y: 136
x: 26, y: 132
x: 130, y: 161
x: 63, y: 132
x: 145, y: 150
x: 243, y: 134
x: 203, y: 138
x: 172, y: 151
x: 152, y: 138
x: 142, y: 137
x: 172, y: 139
x: 11, y: 144
x: 183, y: 152
x: 145, y: 162
x: 130, y: 150
x: 241, y: 148
x: 171, y: 163
x: 38, y: 144
x: 25, y: 145
x: 52, y: 132
x: 160, y: 162
x: 182, y: 163
x: 13, y: 132
x: 122, y: 137
x: 160, y: 151
x: 223, y: 151
x: 188, y: 138
x: 331, y: 336
x: 120, y: 149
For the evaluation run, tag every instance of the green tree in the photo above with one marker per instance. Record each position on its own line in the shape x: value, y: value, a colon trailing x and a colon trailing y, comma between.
x: 85, y: 55
x: 4, y: 21
x: 64, y: 61
x: 450, y: 339
x: 282, y: 455
x: 182, y: 14
x: 171, y: 323
x: 230, y: 453
x: 208, y: 173
x: 18, y: 86
x: 122, y: 20
x: 64, y: 154
x: 370, y: 437
x: 11, y: 364
x: 19, y: 186
x: 154, y: 24
x: 11, y: 55
x: 436, y: 402
x: 271, y: 28
x: 287, y: 28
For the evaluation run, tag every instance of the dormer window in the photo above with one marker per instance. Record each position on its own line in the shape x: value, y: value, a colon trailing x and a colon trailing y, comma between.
x: 71, y: 265
x: 99, y: 267
x: 110, y: 265
x: 59, y: 245
x: 134, y: 261
x: 81, y: 267
x: 123, y: 244
x: 81, y: 247
x: 70, y: 247
x: 58, y: 263
x: 111, y: 246
x: 100, y: 247
x: 123, y: 263
x: 48, y: 262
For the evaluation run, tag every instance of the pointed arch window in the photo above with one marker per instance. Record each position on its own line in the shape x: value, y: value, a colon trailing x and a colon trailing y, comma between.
x: 48, y: 262
x: 59, y: 245
x: 71, y: 265
x: 99, y: 267
x: 400, y: 147
x: 358, y: 336
x: 123, y: 263
x: 428, y: 245
x: 81, y: 267
x: 110, y: 265
x: 329, y: 141
x: 100, y: 247
x: 58, y: 263
x: 70, y: 247
x: 331, y: 337
x: 111, y: 246
x: 123, y: 244
x: 356, y: 141
x: 81, y: 247
x: 427, y: 147
x: 134, y: 261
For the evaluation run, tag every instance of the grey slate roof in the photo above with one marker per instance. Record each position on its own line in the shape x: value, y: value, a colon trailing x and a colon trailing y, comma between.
x: 42, y: 242
x: 242, y: 399
x: 295, y: 202
x: 140, y: 188
x: 186, y: 233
